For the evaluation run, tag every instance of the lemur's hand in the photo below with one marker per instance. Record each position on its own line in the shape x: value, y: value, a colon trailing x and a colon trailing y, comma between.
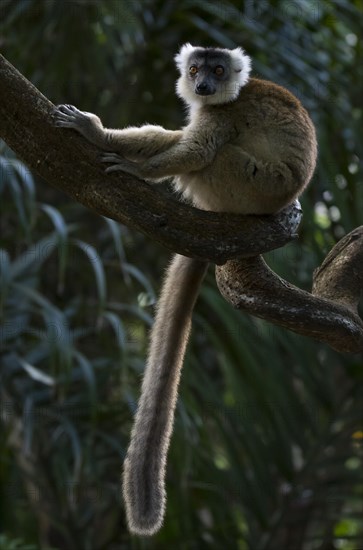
x: 68, y: 116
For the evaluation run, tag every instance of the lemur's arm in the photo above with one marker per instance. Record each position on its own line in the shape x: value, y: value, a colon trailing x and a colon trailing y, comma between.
x: 158, y: 152
x: 138, y: 143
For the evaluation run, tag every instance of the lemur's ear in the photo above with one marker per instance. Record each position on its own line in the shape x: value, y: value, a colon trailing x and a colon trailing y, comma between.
x: 241, y: 63
x: 182, y: 57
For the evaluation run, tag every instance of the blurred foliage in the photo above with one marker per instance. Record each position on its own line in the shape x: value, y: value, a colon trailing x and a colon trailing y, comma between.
x: 268, y: 444
x: 14, y: 544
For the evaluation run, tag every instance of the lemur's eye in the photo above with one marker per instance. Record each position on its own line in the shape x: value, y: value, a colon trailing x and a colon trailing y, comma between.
x: 219, y: 70
x: 193, y: 70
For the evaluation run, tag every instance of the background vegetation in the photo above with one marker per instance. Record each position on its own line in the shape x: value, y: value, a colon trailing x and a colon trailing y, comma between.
x: 268, y: 444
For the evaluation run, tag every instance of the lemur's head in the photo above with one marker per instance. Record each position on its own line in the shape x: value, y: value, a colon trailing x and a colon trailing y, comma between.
x: 211, y: 76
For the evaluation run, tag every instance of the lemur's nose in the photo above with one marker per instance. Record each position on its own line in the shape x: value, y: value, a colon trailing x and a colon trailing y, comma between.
x: 203, y: 88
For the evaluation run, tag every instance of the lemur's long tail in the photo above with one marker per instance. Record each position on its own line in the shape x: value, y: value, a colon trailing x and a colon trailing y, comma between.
x: 145, y: 463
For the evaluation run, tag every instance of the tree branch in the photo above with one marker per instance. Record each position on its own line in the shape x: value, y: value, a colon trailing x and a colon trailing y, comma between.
x: 70, y: 163
x: 329, y: 314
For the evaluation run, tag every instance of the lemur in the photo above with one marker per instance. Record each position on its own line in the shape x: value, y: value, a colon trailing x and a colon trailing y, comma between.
x: 249, y: 147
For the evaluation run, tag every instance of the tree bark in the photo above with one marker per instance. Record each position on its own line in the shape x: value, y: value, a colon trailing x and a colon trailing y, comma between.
x: 329, y: 314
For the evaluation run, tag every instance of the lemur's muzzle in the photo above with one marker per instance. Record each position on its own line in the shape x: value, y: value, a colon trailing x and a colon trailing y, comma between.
x: 204, y: 88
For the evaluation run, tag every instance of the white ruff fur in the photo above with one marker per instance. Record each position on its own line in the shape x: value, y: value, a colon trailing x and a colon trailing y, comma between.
x: 240, y: 72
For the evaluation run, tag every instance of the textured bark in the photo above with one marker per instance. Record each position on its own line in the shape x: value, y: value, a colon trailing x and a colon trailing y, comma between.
x: 329, y: 314
x: 68, y: 162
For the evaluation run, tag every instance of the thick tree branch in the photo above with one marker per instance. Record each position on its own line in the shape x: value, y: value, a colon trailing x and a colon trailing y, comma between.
x: 67, y: 161
x: 329, y: 314
x: 340, y: 276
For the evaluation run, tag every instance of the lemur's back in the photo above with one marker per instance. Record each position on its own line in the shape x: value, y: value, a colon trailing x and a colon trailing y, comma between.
x: 268, y: 156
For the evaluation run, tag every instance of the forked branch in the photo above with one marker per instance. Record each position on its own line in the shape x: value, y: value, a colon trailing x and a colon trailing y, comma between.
x: 328, y: 314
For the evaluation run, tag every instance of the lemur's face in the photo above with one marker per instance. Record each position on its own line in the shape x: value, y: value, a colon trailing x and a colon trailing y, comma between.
x: 208, y: 71
x: 211, y: 76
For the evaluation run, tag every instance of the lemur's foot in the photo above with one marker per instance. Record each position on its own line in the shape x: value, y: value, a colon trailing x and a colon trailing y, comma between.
x: 118, y: 162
